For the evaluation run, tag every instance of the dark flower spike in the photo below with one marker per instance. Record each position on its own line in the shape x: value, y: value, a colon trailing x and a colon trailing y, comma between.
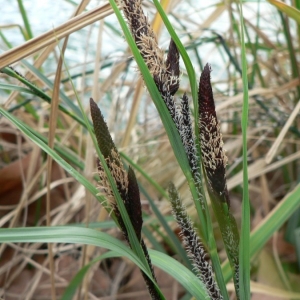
x: 133, y: 203
x: 214, y: 162
x: 173, y: 71
x: 109, y: 151
x: 167, y: 81
x: 103, y: 136
x: 151, y: 287
x: 213, y: 155
x: 187, y: 135
x: 194, y: 246
x: 126, y: 182
x: 144, y: 35
x: 184, y: 126
x: 127, y: 187
x: 165, y: 73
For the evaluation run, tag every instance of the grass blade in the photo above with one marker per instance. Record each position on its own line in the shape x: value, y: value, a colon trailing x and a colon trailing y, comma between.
x: 244, y: 249
x: 67, y: 234
x: 29, y: 34
x: 264, y: 231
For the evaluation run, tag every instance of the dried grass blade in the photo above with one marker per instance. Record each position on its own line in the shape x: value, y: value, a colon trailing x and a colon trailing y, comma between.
x: 50, y: 37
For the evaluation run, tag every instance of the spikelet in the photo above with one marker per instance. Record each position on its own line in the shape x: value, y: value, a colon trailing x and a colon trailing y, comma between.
x: 194, y: 246
x: 213, y: 154
x: 127, y: 185
x: 164, y: 72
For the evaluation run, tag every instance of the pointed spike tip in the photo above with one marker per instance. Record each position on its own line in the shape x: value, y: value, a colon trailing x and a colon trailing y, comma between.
x: 173, y: 70
x: 205, y: 96
x: 104, y: 139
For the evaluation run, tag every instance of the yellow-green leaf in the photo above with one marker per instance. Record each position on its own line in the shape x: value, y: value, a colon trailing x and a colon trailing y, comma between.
x: 290, y: 11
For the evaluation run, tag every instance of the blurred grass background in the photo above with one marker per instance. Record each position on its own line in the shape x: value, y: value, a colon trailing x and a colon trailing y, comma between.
x: 101, y: 66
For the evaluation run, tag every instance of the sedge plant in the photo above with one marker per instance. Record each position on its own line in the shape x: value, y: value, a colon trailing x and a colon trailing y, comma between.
x: 205, y: 156
x: 198, y: 147
x: 196, y: 139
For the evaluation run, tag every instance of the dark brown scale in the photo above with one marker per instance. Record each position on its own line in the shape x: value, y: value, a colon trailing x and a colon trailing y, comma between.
x: 211, y: 138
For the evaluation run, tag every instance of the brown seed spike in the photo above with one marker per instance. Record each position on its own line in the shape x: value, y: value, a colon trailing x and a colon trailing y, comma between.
x: 213, y: 155
x: 133, y: 203
x: 109, y: 150
x: 144, y: 35
x: 206, y: 99
x: 172, y: 64
x: 104, y: 139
